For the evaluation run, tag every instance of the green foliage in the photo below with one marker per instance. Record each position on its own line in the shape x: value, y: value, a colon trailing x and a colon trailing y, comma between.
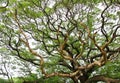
x: 27, y: 54
x: 55, y: 30
x: 55, y: 79
x: 111, y: 69
x: 4, y: 81
x: 18, y: 80
x: 3, y: 10
x: 33, y: 78
x: 29, y: 78
x: 49, y: 10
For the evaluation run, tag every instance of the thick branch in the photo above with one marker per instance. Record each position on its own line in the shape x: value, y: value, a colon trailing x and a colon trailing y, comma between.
x: 102, y: 78
x: 63, y: 74
x: 27, y: 43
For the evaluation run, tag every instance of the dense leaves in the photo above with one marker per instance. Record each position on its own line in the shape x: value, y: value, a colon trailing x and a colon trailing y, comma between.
x: 60, y: 40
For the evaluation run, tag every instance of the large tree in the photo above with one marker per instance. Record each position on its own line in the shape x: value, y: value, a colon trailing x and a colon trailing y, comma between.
x: 64, y: 38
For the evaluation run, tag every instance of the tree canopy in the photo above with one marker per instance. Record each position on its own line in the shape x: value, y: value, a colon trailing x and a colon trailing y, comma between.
x: 75, y: 41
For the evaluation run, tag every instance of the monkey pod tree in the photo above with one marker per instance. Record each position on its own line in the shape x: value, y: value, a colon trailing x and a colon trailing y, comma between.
x: 65, y: 38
